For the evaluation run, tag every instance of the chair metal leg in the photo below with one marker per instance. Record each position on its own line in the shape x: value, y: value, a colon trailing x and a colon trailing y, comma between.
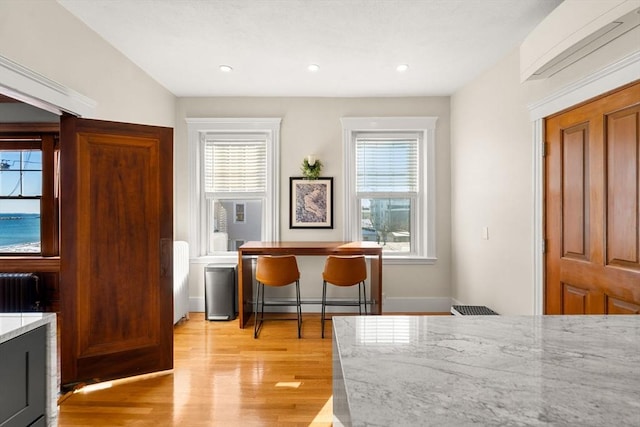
x: 298, y: 308
x: 324, y: 302
x: 255, y: 312
x: 364, y: 293
x: 262, y: 307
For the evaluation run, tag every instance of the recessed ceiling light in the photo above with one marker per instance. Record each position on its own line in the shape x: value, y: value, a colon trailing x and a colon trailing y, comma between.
x: 226, y: 68
x: 313, y: 67
x: 402, y: 68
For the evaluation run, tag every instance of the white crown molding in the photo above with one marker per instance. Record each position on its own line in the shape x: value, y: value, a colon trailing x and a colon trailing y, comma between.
x: 28, y: 86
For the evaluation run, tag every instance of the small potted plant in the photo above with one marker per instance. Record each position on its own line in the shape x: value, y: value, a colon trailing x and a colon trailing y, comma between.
x: 311, y: 167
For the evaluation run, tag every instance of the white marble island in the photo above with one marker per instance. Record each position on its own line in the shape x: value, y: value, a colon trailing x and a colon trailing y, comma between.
x: 29, y: 369
x: 486, y: 370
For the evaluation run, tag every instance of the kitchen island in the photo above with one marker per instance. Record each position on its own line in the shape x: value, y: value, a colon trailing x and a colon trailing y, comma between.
x: 486, y: 370
x: 28, y: 369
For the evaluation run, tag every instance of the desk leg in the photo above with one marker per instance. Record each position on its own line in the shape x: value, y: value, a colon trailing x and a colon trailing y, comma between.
x: 245, y: 289
x: 376, y: 284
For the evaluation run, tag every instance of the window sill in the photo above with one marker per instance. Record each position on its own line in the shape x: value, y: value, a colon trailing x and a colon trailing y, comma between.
x: 407, y: 260
x: 222, y: 258
x: 31, y: 263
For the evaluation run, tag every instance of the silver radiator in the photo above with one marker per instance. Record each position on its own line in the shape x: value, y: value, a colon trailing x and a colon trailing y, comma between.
x: 19, y: 292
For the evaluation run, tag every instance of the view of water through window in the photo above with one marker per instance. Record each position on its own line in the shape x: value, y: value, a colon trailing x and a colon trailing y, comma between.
x: 20, y: 192
x: 19, y: 232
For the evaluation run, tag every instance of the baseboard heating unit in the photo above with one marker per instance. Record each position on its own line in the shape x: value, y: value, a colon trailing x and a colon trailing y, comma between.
x: 20, y: 292
x: 471, y: 310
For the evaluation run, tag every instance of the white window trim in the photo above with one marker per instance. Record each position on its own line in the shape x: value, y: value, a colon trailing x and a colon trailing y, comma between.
x: 426, y: 230
x: 198, y: 128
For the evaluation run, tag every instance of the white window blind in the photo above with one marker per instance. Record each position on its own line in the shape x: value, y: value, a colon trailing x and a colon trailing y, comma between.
x: 386, y: 165
x: 235, y: 166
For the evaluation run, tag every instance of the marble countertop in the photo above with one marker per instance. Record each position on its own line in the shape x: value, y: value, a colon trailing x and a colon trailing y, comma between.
x: 15, y: 324
x: 486, y: 370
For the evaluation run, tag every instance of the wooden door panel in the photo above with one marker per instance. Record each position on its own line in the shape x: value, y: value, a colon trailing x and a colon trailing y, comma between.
x: 575, y: 192
x: 582, y: 299
x: 592, y: 207
x: 618, y: 306
x: 121, y: 249
x: 574, y: 299
x: 117, y: 225
x: 623, y: 184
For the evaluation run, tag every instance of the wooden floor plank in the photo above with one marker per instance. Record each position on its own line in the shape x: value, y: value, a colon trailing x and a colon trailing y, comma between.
x: 222, y: 376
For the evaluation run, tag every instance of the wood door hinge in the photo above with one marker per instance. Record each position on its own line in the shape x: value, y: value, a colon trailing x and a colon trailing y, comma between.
x: 544, y: 246
x: 544, y: 149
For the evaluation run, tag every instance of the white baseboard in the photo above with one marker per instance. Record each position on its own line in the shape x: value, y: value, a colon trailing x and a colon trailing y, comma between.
x: 389, y: 305
x: 196, y: 304
x: 456, y: 302
x: 416, y: 305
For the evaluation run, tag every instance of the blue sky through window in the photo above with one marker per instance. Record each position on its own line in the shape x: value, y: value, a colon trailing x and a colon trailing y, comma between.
x: 20, y: 176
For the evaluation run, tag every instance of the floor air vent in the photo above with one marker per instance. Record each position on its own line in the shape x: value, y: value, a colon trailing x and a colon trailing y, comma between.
x: 471, y: 310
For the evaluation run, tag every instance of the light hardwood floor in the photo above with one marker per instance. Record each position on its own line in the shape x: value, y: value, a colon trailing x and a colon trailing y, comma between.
x: 222, y: 376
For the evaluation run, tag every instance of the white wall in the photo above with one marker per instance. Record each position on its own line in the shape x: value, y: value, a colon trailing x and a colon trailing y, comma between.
x: 491, y: 181
x: 15, y: 112
x: 42, y: 36
x: 312, y: 125
x: 492, y: 177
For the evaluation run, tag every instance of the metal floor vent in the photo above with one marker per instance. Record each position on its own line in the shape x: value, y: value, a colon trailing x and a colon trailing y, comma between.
x: 471, y: 310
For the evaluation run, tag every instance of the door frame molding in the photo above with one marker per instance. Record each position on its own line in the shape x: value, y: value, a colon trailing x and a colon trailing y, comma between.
x: 614, y: 75
x: 30, y: 87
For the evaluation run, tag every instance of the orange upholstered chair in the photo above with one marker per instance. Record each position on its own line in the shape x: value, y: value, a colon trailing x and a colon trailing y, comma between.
x: 276, y: 271
x: 344, y: 271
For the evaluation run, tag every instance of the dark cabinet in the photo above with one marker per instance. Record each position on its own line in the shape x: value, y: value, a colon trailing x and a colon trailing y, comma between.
x: 23, y: 379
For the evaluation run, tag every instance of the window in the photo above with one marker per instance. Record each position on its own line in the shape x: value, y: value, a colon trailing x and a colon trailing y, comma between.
x: 235, y: 197
x: 235, y: 177
x: 21, y: 190
x: 25, y: 202
x: 390, y: 184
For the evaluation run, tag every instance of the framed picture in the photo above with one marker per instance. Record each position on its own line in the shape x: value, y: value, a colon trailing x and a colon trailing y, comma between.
x: 311, y: 203
x: 239, y: 213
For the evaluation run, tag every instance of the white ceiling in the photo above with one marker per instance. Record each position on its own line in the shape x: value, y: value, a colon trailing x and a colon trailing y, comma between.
x: 270, y: 43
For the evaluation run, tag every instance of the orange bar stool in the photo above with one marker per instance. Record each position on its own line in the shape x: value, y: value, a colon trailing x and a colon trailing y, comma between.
x: 344, y: 271
x: 276, y: 271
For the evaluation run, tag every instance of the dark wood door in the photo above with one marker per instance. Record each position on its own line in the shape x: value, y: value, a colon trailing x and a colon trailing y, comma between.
x: 592, y: 207
x: 116, y: 249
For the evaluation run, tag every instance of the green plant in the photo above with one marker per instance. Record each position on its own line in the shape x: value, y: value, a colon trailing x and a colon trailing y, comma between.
x: 311, y: 171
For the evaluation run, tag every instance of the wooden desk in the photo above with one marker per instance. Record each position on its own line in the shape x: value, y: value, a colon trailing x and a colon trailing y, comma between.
x: 253, y: 249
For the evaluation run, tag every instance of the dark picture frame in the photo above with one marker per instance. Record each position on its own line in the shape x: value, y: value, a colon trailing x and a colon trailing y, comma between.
x: 239, y: 213
x: 311, y: 202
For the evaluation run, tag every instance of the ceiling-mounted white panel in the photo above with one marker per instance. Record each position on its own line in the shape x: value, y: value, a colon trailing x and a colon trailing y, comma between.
x: 572, y: 31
